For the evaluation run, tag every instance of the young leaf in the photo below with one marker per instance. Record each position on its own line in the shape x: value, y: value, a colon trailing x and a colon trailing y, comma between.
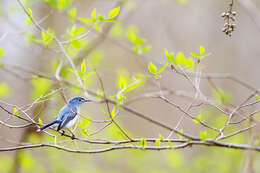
x: 83, y: 66
x: 157, y: 142
x: 180, y: 58
x: 46, y: 37
x: 84, y: 132
x: 1, y: 52
x: 86, y: 122
x: 86, y: 21
x: 114, y: 12
x: 161, y: 69
x: 122, y: 82
x: 72, y: 13
x: 143, y: 143
x: 196, y: 121
x: 169, y: 56
x: 161, y: 137
x: 29, y: 12
x: 113, y: 113
x: 180, y: 136
x: 200, y: 117
x: 40, y: 122
x: 202, y: 50
x: 146, y: 49
x: 195, y: 55
x: 170, y: 144
x: 256, y: 96
x: 152, y: 68
x: 4, y: 90
x: 188, y: 62
x: 203, y: 135
x: 15, y: 111
x: 93, y: 14
x: 76, y: 44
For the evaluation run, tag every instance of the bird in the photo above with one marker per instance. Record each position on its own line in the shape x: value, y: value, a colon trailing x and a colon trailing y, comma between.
x: 67, y: 116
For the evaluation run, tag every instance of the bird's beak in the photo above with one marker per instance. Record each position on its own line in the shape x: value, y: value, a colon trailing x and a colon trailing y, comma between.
x: 87, y: 100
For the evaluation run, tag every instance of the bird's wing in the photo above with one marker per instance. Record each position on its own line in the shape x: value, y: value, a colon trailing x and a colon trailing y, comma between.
x: 67, y: 117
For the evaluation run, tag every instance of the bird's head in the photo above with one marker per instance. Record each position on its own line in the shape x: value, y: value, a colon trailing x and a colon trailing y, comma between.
x: 77, y: 101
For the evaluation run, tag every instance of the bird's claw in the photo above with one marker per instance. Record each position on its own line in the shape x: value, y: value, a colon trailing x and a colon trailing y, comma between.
x: 72, y: 137
x: 62, y: 132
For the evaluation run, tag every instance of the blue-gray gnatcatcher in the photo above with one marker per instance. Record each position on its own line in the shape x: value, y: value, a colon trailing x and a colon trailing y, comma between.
x: 67, y: 116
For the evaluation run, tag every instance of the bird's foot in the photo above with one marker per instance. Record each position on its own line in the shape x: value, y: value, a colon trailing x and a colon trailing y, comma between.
x: 62, y: 133
x: 72, y: 137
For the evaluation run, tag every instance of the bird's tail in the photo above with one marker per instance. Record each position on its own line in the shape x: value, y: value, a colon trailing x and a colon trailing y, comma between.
x: 48, y: 125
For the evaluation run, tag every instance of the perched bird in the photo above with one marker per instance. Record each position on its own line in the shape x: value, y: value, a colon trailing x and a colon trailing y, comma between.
x: 67, y: 116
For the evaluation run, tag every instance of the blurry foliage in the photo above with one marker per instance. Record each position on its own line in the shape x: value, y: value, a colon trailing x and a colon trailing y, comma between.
x: 4, y: 90
x: 182, y: 1
x: 1, y: 55
x: 137, y: 41
x: 40, y: 87
x: 221, y: 95
x: 97, y: 19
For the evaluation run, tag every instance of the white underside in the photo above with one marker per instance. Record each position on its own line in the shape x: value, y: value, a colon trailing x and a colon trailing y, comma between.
x: 72, y: 122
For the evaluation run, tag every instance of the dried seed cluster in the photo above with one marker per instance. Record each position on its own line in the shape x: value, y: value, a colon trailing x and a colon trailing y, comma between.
x: 230, y: 18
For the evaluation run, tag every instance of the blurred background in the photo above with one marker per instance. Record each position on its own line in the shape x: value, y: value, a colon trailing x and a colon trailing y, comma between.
x: 177, y: 25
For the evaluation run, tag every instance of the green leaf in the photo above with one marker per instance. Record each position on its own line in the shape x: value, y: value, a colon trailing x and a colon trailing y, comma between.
x: 179, y: 134
x: 143, y: 143
x: 200, y: 117
x: 86, y: 21
x: 139, y: 41
x: 29, y: 11
x: 195, y: 55
x: 180, y: 58
x: 1, y: 52
x: 46, y: 37
x: 222, y: 95
x: 122, y: 82
x: 256, y: 96
x: 133, y: 85
x: 85, y: 132
x: 114, y: 12
x: 62, y: 4
x: 77, y: 31
x: 93, y: 14
x: 152, y: 68
x: 83, y: 66
x: 113, y: 113
x: 146, y: 49
x: 15, y: 111
x: 169, y: 56
x: 98, y: 27
x: 157, y: 142
x: 202, y: 50
x: 41, y: 87
x: 161, y: 69
x: 72, y: 13
x: 203, y: 135
x: 4, y: 90
x: 40, y: 122
x: 170, y: 144
x: 188, y: 62
x: 76, y: 44
x: 161, y: 137
x: 196, y: 121
x: 100, y: 93
x: 110, y: 20
x: 86, y: 122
